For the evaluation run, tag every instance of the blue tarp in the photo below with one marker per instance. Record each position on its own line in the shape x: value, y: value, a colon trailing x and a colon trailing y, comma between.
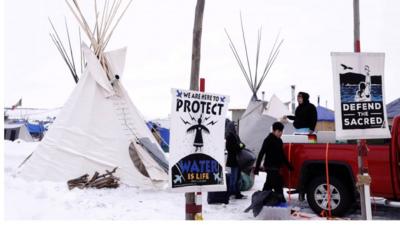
x: 35, y: 128
x: 393, y: 108
x: 164, y: 133
x: 325, y: 114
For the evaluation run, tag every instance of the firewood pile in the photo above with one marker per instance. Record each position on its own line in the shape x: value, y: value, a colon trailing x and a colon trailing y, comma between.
x: 107, y: 180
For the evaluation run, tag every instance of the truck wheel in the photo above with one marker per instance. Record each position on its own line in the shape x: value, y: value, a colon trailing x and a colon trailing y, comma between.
x: 317, y: 196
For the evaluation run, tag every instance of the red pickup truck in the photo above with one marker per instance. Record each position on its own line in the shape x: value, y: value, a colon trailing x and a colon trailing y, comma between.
x: 309, y: 176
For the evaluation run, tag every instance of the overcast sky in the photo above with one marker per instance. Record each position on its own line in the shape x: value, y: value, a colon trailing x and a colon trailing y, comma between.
x: 158, y: 35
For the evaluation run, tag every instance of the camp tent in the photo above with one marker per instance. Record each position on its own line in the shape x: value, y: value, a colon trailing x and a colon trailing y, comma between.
x: 99, y: 128
x: 325, y: 114
x: 257, y: 120
x: 325, y: 119
x: 255, y: 123
x: 13, y: 132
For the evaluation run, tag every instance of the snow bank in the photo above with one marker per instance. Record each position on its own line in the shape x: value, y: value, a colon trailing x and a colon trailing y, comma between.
x: 44, y: 200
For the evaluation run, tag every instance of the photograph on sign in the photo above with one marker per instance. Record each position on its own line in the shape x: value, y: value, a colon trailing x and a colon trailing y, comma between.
x: 360, y: 111
x: 197, y: 159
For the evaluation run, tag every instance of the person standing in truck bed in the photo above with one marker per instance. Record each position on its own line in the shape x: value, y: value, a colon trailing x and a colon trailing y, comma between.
x: 305, y: 117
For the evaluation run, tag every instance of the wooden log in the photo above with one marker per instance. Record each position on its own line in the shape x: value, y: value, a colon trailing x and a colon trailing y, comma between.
x: 107, y: 180
x: 77, y: 182
x: 108, y: 173
x: 95, y: 176
x: 101, y: 181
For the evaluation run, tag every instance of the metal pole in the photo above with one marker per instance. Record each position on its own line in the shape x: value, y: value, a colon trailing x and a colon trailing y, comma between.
x: 198, y: 198
x: 356, y: 13
x: 293, y: 87
x: 194, y: 206
x: 191, y: 209
x: 365, y: 202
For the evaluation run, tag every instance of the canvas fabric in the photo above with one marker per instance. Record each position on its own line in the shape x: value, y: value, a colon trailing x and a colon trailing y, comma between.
x: 94, y: 132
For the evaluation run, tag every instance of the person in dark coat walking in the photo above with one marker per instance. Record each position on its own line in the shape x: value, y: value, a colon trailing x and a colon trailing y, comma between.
x: 233, y: 145
x: 272, y: 149
x: 305, y: 117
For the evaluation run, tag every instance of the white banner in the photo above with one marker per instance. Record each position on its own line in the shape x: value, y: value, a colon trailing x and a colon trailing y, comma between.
x: 360, y: 110
x: 197, y: 159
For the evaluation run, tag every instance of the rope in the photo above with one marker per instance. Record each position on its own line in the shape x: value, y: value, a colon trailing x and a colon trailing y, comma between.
x: 289, y: 153
x: 328, y: 187
x: 132, y: 130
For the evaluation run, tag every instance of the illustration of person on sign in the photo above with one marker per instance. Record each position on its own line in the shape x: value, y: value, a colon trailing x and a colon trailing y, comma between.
x: 363, y: 93
x: 198, y: 138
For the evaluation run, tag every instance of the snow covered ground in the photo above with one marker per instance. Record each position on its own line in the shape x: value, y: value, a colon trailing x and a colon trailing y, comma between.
x: 43, y: 200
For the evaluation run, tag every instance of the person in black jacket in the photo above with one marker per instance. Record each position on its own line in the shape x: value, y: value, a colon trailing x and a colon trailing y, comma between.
x: 305, y: 118
x: 233, y: 145
x: 272, y: 149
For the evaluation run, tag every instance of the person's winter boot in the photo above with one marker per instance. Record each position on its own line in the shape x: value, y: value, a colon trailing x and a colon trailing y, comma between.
x: 240, y: 196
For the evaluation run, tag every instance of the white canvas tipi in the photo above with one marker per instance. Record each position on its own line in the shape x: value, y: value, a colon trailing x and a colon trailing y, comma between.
x: 98, y: 129
x: 256, y: 122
